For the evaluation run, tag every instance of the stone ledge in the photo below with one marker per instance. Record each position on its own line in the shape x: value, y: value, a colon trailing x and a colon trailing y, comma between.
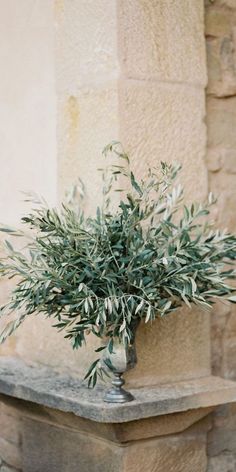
x: 46, y: 387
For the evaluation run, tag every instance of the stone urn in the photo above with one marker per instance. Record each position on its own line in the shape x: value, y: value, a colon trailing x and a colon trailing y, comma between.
x: 123, y: 358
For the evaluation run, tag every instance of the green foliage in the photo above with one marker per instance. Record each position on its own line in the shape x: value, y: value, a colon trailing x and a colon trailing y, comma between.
x: 100, y: 274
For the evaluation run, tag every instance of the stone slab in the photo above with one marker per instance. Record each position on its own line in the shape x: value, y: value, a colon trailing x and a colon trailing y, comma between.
x: 47, y: 448
x: 44, y: 386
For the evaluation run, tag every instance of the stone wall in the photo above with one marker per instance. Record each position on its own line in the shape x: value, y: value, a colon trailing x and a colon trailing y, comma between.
x: 220, y: 19
x: 133, y: 70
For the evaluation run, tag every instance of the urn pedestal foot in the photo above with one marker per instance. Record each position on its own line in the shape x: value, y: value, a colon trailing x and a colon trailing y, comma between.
x: 117, y: 394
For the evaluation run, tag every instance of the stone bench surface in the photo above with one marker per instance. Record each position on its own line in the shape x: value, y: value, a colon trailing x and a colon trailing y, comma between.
x: 44, y: 386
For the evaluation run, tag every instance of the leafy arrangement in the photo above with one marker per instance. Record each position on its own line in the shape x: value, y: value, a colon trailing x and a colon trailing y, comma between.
x: 101, y: 274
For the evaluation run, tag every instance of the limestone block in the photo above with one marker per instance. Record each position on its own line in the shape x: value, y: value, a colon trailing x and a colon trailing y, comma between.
x: 224, y: 417
x: 87, y: 122
x: 173, y: 348
x: 229, y: 160
x: 198, y: 419
x: 38, y: 342
x: 173, y: 453
x: 219, y: 320
x: 223, y: 462
x: 221, y: 440
x: 165, y: 122
x: 230, y: 358
x: 86, y: 44
x: 214, y: 65
x: 223, y: 187
x: 213, y: 159
x: 227, y: 3
x: 218, y: 22
x: 220, y: 34
x: 221, y: 122
x: 221, y: 67
x: 230, y: 327
x: 63, y: 449
x: 48, y: 448
x: 9, y: 424
x: 222, y: 437
x: 162, y: 40
x: 164, y: 425
x: 10, y: 453
x: 218, y: 158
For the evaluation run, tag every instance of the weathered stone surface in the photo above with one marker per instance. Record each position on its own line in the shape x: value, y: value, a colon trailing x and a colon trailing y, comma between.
x: 222, y: 435
x: 44, y: 386
x: 153, y: 116
x: 47, y: 448
x: 219, y: 321
x: 80, y: 146
x: 9, y: 424
x: 176, y: 453
x: 164, y: 425
x: 214, y: 64
x: 221, y: 40
x: 224, y: 463
x: 214, y: 160
x: 222, y: 185
x: 221, y: 122
x: 217, y: 22
x: 63, y: 449
x: 116, y: 432
x: 229, y: 347
x: 172, y: 349
x: 221, y: 440
x: 10, y: 453
x: 219, y: 158
x: 153, y: 38
x: 229, y: 160
x: 86, y: 45
x: 227, y: 3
